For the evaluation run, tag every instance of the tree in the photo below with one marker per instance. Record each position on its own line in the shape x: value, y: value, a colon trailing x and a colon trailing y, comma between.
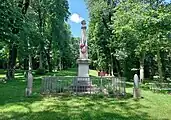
x: 13, y: 13
x: 131, y: 30
x: 39, y: 23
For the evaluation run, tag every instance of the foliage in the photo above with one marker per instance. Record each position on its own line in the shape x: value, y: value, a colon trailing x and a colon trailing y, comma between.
x: 40, y: 71
x: 123, y: 34
x: 39, y: 29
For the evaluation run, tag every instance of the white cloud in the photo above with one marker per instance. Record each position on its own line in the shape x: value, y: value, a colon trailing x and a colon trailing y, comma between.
x: 76, y: 18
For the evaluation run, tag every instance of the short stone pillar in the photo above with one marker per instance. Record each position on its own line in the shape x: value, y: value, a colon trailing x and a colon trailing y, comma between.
x: 136, y: 89
x: 29, y: 84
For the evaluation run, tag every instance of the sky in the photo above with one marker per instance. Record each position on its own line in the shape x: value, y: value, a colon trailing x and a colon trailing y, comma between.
x: 79, y: 12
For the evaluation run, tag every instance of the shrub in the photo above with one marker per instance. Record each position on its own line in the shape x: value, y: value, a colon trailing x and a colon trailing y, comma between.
x: 98, y: 95
x: 40, y: 71
x: 101, y: 95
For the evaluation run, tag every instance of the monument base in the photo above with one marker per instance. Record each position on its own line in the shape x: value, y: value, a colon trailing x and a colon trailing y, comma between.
x: 82, y: 83
x: 83, y: 67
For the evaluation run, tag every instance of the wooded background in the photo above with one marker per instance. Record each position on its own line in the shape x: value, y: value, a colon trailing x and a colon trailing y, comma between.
x: 122, y: 34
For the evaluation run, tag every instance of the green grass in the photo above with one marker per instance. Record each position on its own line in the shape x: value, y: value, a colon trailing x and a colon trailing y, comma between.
x: 2, y: 73
x: 15, y: 106
x: 93, y: 73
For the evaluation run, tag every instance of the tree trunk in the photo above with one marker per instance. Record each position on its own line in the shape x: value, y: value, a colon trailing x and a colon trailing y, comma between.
x: 142, y: 67
x: 30, y: 63
x: 12, y: 47
x: 49, y: 61
x: 48, y: 55
x: 11, y: 62
x: 164, y: 59
x: 9, y: 75
x: 159, y: 63
x: 41, y: 60
x: 50, y: 67
x: 41, y: 33
x: 25, y: 63
x: 60, y: 64
x: 111, y: 65
x: 125, y: 69
x: 117, y: 67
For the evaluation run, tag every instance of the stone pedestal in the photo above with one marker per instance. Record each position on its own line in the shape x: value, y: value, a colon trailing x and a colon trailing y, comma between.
x: 83, y: 67
x: 82, y: 83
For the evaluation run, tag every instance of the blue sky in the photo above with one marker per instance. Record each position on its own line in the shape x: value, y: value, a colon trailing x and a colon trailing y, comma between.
x: 78, y: 10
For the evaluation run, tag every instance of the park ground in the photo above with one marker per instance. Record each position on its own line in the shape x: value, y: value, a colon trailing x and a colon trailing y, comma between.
x: 15, y: 106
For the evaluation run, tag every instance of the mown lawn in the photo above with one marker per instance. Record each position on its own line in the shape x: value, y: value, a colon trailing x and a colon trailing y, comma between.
x: 15, y: 106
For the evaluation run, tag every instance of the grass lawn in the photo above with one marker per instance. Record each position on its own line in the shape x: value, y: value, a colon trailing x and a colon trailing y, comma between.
x: 2, y: 73
x: 93, y: 73
x: 14, y: 106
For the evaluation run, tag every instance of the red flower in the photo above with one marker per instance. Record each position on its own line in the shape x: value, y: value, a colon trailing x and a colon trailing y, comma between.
x: 82, y: 45
x: 83, y: 50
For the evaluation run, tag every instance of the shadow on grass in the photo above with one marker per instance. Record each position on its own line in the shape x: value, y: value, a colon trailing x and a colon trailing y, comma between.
x: 78, y: 115
x: 14, y: 91
x: 66, y: 107
x: 86, y: 109
x: 82, y: 108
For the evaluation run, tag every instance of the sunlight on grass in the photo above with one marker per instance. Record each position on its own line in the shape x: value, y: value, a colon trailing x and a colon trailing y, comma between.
x: 93, y: 73
x: 14, y: 105
x: 2, y: 75
x: 95, y: 109
x: 14, y: 108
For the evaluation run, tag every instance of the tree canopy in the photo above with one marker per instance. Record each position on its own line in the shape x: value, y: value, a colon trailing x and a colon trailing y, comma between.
x: 122, y: 34
x: 130, y: 34
x: 39, y: 29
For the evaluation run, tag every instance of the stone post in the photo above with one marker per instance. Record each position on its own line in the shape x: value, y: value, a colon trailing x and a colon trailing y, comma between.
x: 29, y: 79
x: 136, y: 89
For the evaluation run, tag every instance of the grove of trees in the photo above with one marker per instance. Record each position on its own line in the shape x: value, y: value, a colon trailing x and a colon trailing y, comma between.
x: 126, y: 34
x: 122, y: 34
x: 35, y: 34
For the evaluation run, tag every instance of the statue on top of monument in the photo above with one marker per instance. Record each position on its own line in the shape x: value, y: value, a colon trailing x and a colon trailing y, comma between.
x: 83, y: 42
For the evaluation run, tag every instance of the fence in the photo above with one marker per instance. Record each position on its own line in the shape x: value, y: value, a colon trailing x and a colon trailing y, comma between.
x: 157, y: 86
x: 83, y: 85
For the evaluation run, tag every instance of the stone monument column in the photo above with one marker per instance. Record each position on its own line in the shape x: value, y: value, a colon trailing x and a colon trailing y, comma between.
x: 83, y: 61
x: 82, y: 83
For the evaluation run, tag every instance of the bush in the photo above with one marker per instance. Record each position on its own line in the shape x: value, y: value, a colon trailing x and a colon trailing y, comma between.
x: 101, y: 95
x: 40, y: 71
x: 2, y: 71
x: 98, y: 95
